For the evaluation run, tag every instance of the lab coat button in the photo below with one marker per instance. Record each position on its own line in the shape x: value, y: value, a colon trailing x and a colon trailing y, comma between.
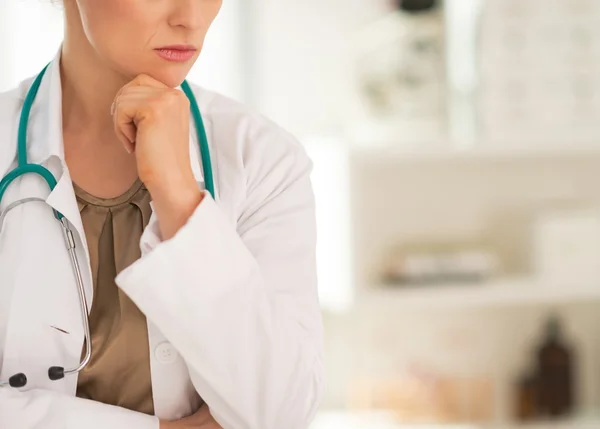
x: 165, y: 353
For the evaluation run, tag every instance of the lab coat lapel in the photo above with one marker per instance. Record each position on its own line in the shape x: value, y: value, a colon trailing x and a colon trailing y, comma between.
x: 47, y: 146
x: 45, y: 320
x: 45, y: 326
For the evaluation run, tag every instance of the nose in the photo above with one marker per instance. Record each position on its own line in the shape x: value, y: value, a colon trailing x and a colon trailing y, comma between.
x: 191, y: 14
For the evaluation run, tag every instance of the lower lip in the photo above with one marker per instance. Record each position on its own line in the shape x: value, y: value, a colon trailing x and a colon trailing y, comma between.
x: 176, y: 55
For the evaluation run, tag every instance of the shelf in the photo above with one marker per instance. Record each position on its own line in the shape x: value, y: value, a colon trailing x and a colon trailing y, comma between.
x: 566, y: 424
x: 445, y: 151
x: 497, y: 293
x: 370, y: 420
x: 383, y: 420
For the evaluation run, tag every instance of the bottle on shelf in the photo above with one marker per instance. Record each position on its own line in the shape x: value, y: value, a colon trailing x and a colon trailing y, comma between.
x: 555, y: 373
x: 546, y: 391
x: 527, y: 399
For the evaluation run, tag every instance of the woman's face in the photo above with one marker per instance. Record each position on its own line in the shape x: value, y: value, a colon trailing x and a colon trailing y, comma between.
x: 129, y: 34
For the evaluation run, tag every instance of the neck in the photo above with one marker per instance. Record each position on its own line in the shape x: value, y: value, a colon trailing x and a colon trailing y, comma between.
x: 88, y: 85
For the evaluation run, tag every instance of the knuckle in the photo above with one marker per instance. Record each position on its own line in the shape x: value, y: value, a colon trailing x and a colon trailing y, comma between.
x: 173, y: 98
x: 141, y: 79
x: 160, y: 104
x: 153, y: 108
x: 149, y: 113
x: 179, y: 99
x: 154, y: 104
x: 125, y: 91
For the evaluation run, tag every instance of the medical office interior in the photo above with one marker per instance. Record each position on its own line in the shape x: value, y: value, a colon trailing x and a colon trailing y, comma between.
x: 456, y: 149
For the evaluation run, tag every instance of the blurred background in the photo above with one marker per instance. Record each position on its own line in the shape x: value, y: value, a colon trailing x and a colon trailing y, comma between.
x: 456, y: 147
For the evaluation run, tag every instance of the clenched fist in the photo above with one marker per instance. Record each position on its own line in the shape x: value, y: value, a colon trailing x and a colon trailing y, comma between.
x: 152, y: 121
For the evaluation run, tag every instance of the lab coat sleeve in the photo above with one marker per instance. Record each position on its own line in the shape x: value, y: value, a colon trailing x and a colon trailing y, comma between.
x: 240, y: 304
x: 44, y: 409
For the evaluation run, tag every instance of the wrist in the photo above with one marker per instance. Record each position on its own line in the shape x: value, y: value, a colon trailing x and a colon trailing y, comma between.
x: 176, y: 195
x: 168, y: 183
x: 164, y: 424
x: 174, y: 203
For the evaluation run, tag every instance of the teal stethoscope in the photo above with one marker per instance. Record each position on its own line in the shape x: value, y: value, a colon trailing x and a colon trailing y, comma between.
x: 23, y: 167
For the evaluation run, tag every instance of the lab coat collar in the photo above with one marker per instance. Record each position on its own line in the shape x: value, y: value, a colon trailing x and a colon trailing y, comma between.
x: 45, y: 123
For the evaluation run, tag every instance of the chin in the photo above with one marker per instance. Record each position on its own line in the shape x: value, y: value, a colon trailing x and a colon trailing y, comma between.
x: 171, y: 75
x: 172, y: 80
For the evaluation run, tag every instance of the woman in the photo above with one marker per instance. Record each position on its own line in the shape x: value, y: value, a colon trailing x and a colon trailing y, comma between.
x: 204, y: 312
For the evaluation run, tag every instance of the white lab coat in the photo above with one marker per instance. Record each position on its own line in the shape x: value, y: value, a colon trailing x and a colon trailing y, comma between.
x: 231, y: 300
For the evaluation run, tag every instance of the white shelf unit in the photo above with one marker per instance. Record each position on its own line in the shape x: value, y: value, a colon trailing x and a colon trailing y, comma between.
x: 385, y: 420
x: 495, y: 293
x: 405, y: 194
x: 444, y: 151
x: 435, y: 192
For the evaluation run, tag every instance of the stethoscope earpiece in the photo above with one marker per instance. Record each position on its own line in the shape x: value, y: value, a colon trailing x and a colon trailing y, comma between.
x: 56, y: 373
x: 18, y: 380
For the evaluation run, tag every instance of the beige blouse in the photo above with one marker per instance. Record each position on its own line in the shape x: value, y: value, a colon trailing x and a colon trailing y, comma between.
x: 119, y: 371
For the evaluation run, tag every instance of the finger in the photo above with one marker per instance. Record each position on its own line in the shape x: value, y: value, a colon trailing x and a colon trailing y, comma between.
x: 139, y: 95
x: 126, y: 141
x: 129, y: 111
x: 124, y: 123
x: 129, y: 91
x: 145, y: 80
x: 140, y: 81
x: 138, y: 106
x: 136, y: 90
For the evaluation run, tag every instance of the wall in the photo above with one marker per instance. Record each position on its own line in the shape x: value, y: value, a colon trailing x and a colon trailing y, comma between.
x: 26, y: 51
x: 304, y: 60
